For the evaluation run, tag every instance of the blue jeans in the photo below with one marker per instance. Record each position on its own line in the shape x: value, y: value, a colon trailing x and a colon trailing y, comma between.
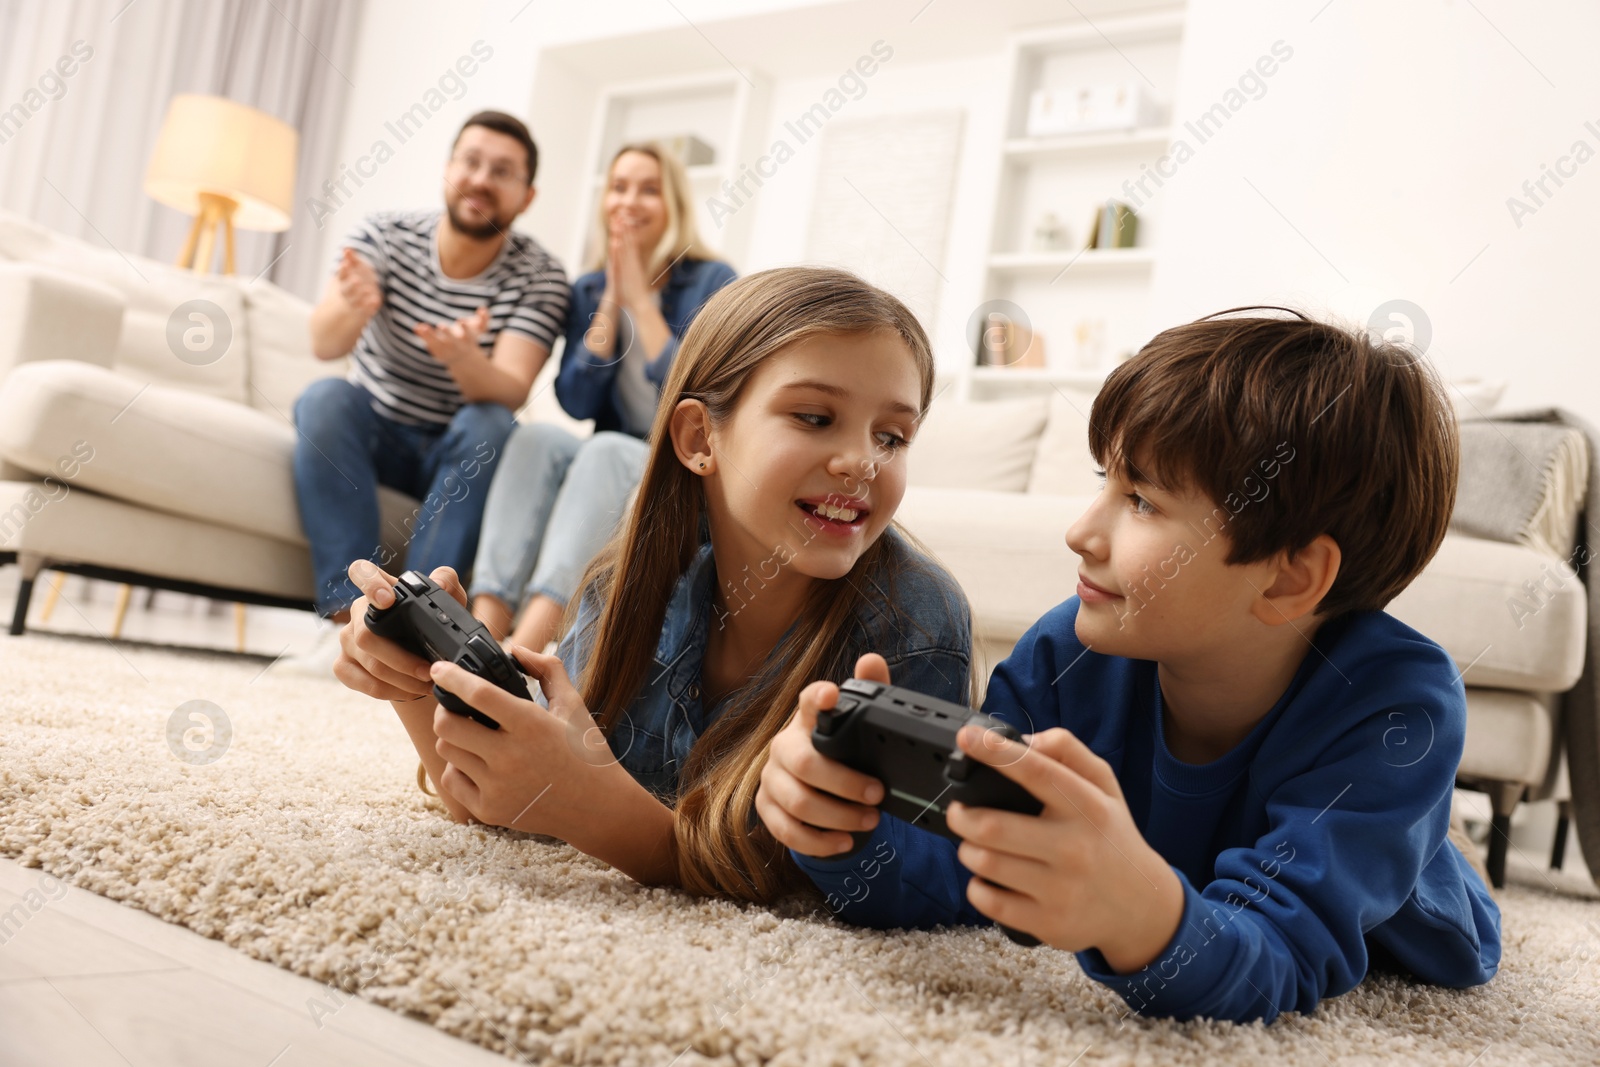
x: 553, y: 505
x: 345, y: 450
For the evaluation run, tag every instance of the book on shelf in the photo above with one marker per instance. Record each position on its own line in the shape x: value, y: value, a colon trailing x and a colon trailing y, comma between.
x: 1115, y: 226
x: 1005, y: 342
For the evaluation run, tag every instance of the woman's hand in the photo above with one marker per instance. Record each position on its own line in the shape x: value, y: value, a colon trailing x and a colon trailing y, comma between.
x: 807, y: 799
x: 376, y: 665
x: 540, y: 771
x: 625, y: 268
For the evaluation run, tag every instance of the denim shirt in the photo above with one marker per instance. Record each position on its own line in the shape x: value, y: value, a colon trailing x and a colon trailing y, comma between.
x: 925, y: 635
x: 585, y: 383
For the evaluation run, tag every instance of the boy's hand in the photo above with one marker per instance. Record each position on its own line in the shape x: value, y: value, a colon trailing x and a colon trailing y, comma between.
x: 376, y: 665
x: 1079, y: 874
x: 810, y: 802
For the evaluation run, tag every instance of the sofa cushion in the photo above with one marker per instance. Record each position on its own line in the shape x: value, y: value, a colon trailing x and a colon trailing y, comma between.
x: 46, y: 313
x: 1508, y: 737
x: 1512, y: 617
x: 80, y: 526
x: 1008, y: 551
x: 163, y: 447
x: 1064, y: 466
x: 977, y: 445
x: 157, y: 325
x: 278, y: 334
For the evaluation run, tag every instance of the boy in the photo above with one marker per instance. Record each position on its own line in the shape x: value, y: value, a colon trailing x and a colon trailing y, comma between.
x: 1231, y: 826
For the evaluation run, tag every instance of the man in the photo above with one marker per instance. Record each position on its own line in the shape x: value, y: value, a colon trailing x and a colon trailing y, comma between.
x: 448, y: 318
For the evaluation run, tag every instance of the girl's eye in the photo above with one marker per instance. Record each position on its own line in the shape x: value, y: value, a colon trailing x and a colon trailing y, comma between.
x: 807, y: 417
x: 892, y: 441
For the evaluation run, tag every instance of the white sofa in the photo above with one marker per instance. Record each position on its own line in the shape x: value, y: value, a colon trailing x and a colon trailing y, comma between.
x: 189, y: 487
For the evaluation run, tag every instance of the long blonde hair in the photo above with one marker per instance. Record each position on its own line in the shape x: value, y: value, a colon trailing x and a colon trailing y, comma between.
x: 723, y: 848
x: 681, y: 238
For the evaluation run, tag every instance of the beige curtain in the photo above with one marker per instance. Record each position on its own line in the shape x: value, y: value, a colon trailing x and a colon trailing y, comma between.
x: 73, y: 149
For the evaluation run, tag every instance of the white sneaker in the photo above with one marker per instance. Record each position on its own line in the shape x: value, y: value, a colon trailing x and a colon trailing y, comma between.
x: 317, y: 660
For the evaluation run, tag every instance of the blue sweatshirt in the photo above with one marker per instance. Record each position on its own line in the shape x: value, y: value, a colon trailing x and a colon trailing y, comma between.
x: 586, y: 383
x: 1311, y: 853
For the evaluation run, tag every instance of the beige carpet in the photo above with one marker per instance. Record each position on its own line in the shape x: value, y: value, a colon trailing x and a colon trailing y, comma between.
x: 307, y: 844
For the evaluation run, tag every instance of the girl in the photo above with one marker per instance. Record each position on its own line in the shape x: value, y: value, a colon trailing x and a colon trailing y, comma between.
x: 760, y: 554
x: 556, y: 498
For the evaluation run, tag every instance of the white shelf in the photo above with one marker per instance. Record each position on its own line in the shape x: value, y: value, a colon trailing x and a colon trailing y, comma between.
x: 1030, y: 149
x: 1079, y: 263
x: 1106, y: 33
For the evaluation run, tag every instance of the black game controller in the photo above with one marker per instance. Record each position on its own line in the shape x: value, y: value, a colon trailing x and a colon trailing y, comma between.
x: 908, y: 741
x: 429, y: 622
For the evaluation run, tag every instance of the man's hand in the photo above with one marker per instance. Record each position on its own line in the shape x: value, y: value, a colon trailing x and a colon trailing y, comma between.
x: 358, y: 284
x: 1079, y: 874
x: 805, y: 798
x: 455, y: 341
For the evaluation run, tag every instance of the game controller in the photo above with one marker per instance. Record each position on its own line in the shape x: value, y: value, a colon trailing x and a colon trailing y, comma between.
x: 429, y: 622
x: 908, y: 741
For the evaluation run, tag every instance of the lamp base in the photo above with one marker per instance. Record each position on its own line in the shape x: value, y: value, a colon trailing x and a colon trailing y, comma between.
x: 216, y: 213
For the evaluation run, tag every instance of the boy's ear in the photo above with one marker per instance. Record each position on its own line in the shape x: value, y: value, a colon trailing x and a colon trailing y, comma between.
x: 1302, y: 581
x: 690, y: 428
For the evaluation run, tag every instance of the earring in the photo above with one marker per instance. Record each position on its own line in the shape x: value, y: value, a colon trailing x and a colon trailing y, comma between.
x: 702, y: 464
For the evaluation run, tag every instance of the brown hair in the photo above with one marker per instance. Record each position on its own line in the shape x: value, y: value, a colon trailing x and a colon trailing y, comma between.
x: 512, y: 127
x: 722, y: 847
x: 681, y: 238
x: 1345, y: 434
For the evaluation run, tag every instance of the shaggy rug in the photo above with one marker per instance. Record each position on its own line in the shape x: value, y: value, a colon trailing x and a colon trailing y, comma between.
x: 281, y: 816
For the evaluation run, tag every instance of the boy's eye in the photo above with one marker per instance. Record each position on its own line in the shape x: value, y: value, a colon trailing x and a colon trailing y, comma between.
x: 1140, y: 504
x: 892, y: 441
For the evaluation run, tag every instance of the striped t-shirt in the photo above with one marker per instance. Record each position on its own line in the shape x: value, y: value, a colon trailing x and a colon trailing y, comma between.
x: 524, y: 288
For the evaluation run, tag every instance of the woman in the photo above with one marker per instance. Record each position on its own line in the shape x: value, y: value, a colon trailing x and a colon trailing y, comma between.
x: 556, y: 498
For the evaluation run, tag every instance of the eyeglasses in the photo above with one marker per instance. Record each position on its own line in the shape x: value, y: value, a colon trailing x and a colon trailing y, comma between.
x: 499, y: 174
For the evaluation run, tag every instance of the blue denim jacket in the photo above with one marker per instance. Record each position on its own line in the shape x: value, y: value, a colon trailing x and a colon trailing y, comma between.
x: 584, y: 382
x: 924, y: 632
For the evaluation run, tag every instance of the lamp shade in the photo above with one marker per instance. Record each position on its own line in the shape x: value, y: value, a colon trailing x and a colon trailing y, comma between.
x: 212, y: 145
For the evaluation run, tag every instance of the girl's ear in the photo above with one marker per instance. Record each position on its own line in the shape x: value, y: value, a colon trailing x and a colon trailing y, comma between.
x: 691, y: 436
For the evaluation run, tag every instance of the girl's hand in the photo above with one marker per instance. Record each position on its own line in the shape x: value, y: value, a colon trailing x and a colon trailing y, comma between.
x: 376, y: 665
x: 809, y: 802
x: 539, y: 771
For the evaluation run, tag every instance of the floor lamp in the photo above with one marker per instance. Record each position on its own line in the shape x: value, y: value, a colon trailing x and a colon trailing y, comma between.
x: 231, y: 167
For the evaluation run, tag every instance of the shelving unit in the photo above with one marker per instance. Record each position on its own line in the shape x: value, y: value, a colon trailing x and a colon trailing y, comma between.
x: 1079, y: 262
x: 1073, y: 292
x: 725, y: 108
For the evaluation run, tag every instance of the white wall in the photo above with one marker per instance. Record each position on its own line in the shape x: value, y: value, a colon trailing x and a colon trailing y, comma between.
x: 901, y: 85
x: 1391, y: 141
x: 407, y: 45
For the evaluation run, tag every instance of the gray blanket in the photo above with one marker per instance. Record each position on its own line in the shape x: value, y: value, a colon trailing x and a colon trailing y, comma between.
x: 1497, y: 495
